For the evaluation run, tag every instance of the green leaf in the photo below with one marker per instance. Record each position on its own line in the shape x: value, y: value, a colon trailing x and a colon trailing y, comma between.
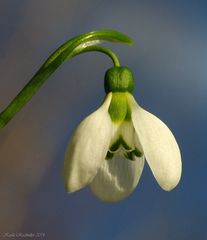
x: 77, y: 44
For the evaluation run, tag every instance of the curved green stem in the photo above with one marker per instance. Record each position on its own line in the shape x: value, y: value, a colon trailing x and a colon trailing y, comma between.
x: 77, y: 45
x: 107, y: 51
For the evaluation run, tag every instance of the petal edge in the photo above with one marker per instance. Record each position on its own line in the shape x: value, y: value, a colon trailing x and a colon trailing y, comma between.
x: 87, y: 148
x: 159, y: 145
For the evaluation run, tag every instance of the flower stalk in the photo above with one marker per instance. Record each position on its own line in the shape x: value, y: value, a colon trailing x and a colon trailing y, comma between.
x: 81, y: 44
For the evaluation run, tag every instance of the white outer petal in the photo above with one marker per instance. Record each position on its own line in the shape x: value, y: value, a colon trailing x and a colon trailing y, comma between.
x: 87, y: 148
x: 159, y: 145
x: 117, y: 178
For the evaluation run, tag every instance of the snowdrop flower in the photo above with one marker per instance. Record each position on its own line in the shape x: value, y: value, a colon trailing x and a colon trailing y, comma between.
x: 108, y: 149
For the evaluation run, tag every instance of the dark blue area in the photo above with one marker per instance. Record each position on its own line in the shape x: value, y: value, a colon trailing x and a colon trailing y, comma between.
x: 10, y: 15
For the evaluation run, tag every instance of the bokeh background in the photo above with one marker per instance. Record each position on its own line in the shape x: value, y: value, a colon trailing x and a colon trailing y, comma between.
x: 169, y: 62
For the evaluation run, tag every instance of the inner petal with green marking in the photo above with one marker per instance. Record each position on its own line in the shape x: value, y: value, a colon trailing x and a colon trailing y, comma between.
x: 124, y: 142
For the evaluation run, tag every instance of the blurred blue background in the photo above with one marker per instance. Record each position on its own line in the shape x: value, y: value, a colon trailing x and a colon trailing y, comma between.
x: 168, y: 59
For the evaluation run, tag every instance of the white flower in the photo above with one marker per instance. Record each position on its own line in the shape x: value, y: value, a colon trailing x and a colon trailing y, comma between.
x: 109, y: 147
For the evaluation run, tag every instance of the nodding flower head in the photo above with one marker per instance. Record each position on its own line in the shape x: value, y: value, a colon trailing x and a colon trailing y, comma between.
x: 108, y: 149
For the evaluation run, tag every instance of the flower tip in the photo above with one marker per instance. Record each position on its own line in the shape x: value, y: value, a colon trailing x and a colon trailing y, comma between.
x: 70, y: 189
x: 168, y: 188
x: 171, y: 182
x: 109, y: 199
